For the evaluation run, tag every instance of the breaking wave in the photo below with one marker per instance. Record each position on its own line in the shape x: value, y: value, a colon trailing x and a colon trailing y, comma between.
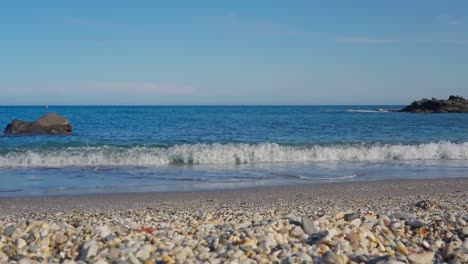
x: 233, y: 153
x: 363, y: 110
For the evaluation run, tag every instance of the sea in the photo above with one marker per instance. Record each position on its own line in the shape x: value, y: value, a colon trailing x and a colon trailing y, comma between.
x: 117, y: 149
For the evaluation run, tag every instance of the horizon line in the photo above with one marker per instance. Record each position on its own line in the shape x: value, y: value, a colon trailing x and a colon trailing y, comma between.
x: 191, y: 105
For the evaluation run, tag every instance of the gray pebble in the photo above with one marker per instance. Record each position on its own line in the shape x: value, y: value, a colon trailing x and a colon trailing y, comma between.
x: 350, y: 216
x: 10, y: 230
x: 316, y: 238
x: 308, y: 226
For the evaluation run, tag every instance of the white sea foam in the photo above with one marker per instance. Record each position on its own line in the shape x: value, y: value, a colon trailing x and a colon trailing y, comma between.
x: 331, y: 178
x: 228, y: 154
x: 361, y: 110
x: 367, y: 111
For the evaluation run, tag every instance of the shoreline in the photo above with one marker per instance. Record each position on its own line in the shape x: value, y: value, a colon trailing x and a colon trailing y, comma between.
x: 370, y: 222
x: 260, y: 195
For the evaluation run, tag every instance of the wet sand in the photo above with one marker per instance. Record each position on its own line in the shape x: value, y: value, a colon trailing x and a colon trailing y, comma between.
x: 339, y: 195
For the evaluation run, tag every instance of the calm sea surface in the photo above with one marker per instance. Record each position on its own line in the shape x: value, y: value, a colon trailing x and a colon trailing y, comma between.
x: 134, y: 149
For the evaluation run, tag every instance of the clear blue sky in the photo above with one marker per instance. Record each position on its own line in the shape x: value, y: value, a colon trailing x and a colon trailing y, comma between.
x: 231, y: 52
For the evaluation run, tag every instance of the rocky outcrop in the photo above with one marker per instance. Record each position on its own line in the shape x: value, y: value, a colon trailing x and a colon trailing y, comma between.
x: 49, y: 124
x: 455, y: 104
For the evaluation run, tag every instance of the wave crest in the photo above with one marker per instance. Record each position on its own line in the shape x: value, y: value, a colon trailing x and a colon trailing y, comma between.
x: 228, y: 154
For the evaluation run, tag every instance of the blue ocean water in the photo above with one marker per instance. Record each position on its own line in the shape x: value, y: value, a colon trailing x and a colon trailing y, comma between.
x: 172, y: 148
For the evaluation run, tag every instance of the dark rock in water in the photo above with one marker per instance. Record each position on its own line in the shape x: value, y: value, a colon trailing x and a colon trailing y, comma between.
x: 455, y: 104
x: 49, y: 124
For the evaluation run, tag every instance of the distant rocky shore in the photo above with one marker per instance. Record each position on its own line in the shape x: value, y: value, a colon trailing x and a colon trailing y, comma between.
x: 454, y: 104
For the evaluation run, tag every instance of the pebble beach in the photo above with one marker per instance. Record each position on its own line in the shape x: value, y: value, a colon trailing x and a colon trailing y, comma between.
x: 408, y: 221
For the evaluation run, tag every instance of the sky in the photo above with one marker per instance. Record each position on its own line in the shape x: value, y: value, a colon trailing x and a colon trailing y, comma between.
x: 242, y: 52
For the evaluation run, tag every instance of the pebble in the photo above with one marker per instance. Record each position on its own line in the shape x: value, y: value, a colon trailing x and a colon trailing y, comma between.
x: 132, y: 259
x: 308, y: 226
x: 355, y: 223
x: 425, y: 204
x: 89, y: 249
x: 415, y: 223
x: 9, y: 230
x: 144, y: 253
x: 448, y: 250
x: 110, y: 237
x: 461, y: 221
x: 297, y: 232
x: 20, y: 243
x: 426, y: 244
x: 237, y: 234
x: 306, y: 258
x: 3, y: 257
x: 421, y: 258
x: 339, y: 215
x: 17, y: 257
x: 465, y: 243
x: 465, y: 230
x: 61, y: 238
x: 350, y: 216
x: 452, y: 218
x: 403, y: 216
x: 103, y: 231
x: 26, y: 261
x: 316, y: 237
x: 439, y: 243
x: 402, y: 248
x: 331, y: 258
x: 113, y: 254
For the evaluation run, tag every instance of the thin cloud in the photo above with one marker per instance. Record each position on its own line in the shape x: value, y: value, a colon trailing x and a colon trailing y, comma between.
x: 449, y: 20
x: 454, y: 22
